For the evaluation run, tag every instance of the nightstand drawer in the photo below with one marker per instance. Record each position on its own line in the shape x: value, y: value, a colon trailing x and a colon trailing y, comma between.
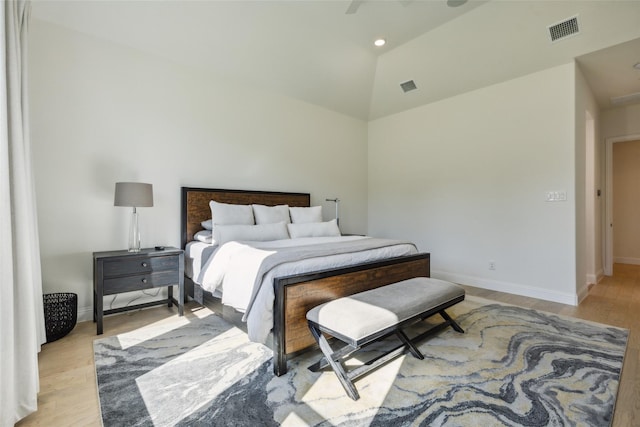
x: 140, y: 281
x: 138, y: 265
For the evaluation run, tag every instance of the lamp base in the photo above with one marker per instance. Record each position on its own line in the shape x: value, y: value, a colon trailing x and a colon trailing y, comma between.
x: 134, y: 233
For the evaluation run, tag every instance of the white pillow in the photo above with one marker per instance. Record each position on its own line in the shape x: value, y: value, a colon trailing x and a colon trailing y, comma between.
x: 314, y: 229
x: 304, y: 215
x: 271, y: 214
x: 207, y: 225
x: 256, y: 233
x: 225, y: 213
x: 205, y: 236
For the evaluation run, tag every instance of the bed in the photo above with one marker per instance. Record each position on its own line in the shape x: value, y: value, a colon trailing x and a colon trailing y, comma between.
x: 292, y: 295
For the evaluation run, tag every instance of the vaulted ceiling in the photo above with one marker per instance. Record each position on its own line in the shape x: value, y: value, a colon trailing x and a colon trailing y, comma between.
x: 314, y: 51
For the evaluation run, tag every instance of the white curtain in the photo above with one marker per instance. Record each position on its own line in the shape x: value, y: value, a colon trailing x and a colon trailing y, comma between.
x: 21, y: 313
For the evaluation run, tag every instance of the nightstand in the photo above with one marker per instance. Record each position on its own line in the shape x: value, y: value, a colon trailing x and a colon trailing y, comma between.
x: 123, y: 271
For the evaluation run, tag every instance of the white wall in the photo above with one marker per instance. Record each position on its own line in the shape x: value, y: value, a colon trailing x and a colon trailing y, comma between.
x: 466, y: 178
x: 621, y: 121
x: 589, y: 177
x: 102, y: 113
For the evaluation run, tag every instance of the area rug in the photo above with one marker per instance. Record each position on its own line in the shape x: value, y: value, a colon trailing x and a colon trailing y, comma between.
x: 512, y: 366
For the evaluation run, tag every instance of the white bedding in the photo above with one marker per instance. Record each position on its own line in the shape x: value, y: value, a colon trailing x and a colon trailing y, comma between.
x: 196, y: 255
x: 244, y: 271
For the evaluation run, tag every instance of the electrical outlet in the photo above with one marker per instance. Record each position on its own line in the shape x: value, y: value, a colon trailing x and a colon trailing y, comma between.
x: 492, y: 265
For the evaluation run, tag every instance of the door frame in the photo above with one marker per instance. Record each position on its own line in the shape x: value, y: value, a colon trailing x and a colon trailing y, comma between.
x: 608, y: 226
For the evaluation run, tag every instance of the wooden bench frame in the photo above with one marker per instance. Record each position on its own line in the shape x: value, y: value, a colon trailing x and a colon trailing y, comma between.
x: 334, y: 358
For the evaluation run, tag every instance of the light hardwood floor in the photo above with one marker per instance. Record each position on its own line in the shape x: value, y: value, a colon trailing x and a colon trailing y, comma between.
x: 68, y: 394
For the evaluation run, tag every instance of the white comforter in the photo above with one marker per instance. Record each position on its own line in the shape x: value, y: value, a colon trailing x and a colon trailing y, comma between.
x: 244, y: 271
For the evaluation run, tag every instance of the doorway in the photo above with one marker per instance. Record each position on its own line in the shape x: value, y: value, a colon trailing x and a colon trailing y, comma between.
x: 591, y: 200
x: 610, y: 225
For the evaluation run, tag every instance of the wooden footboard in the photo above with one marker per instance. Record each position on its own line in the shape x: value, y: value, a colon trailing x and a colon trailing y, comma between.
x: 297, y: 294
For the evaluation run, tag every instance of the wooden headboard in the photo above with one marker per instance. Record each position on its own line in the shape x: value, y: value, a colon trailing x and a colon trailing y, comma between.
x: 195, y: 204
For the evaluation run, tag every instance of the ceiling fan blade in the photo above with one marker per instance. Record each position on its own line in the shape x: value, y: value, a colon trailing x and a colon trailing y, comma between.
x: 353, y: 6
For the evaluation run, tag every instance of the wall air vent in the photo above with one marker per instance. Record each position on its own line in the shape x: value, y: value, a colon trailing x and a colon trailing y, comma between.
x: 408, y: 86
x: 562, y: 30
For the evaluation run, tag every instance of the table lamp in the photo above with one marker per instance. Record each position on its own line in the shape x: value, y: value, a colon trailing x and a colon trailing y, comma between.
x: 135, y: 195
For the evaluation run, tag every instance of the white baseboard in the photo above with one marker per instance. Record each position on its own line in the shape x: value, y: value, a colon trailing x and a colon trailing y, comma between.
x: 584, y: 292
x: 592, y: 279
x: 85, y: 314
x: 506, y: 287
x: 626, y: 260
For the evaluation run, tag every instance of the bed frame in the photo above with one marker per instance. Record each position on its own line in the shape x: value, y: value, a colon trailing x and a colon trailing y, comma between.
x: 297, y: 294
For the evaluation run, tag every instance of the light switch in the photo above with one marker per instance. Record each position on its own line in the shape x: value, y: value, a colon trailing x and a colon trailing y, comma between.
x: 555, y: 196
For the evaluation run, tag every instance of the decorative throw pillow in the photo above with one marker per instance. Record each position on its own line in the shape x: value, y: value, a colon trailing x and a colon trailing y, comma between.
x: 205, y: 236
x: 255, y: 233
x: 271, y: 214
x: 207, y: 225
x: 225, y: 213
x: 305, y: 215
x: 314, y: 229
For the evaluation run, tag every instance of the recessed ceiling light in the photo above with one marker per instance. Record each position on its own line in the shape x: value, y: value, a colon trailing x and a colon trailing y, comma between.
x: 380, y: 42
x: 637, y: 66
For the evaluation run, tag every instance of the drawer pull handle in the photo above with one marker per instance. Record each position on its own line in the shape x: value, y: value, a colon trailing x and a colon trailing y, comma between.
x: 144, y: 280
x: 144, y: 264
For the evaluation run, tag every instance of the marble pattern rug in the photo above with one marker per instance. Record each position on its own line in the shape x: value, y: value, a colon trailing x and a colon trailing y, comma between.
x: 511, y: 367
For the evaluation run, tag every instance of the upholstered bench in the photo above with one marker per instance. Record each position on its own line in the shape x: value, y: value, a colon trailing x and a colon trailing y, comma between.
x: 365, y: 317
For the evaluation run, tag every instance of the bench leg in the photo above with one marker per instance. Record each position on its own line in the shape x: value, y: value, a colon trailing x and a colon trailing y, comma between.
x: 336, y: 365
x: 451, y: 322
x: 407, y: 342
x: 339, y: 354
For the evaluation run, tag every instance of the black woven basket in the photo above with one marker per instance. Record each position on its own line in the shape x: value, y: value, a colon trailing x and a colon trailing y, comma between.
x: 60, y: 314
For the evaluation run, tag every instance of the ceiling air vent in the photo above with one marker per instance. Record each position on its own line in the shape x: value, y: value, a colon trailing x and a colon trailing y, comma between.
x: 408, y: 86
x: 562, y: 30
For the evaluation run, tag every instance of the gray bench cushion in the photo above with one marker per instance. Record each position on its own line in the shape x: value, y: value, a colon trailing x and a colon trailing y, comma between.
x: 366, y: 313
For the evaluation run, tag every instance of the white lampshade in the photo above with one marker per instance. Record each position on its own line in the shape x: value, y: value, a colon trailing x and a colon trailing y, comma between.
x: 133, y: 194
